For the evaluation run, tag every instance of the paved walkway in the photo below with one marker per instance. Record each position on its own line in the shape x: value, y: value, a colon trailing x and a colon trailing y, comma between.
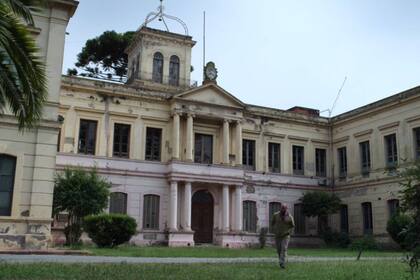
x: 134, y: 260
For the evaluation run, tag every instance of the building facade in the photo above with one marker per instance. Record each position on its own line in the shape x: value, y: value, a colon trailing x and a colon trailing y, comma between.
x: 27, y: 158
x: 194, y: 164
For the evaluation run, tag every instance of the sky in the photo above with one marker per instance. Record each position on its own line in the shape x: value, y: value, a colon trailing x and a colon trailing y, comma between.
x: 282, y: 53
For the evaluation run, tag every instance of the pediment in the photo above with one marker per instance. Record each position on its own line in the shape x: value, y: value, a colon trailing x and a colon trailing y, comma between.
x: 211, y: 94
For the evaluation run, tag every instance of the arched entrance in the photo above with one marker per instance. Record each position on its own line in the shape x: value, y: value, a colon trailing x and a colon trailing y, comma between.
x: 202, y: 217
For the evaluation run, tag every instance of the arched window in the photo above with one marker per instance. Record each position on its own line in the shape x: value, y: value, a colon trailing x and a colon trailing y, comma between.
x: 273, y: 207
x: 118, y: 203
x: 367, y: 218
x: 250, y: 216
x: 7, y: 180
x: 151, y: 211
x: 174, y: 71
x: 158, y: 67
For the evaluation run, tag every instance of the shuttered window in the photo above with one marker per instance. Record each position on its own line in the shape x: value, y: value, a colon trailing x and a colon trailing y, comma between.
x: 300, y: 219
x: 87, y: 137
x: 274, y: 157
x: 321, y: 162
x: 417, y: 142
x: 391, y: 152
x: 118, y: 203
x: 367, y: 218
x: 153, y: 143
x: 203, y: 148
x: 7, y: 179
x: 121, y: 140
x: 344, y: 219
x: 250, y: 216
x: 248, y: 154
x: 342, y: 162
x: 393, y: 206
x: 273, y: 207
x: 174, y: 71
x: 298, y: 160
x: 151, y: 211
x: 157, y: 68
x: 365, y: 157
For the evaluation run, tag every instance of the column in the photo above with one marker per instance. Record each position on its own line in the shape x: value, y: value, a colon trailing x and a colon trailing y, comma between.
x: 225, y: 208
x: 238, y: 208
x: 173, y: 206
x: 226, y: 142
x: 189, y: 138
x: 238, y: 158
x: 187, y: 206
x: 175, y: 139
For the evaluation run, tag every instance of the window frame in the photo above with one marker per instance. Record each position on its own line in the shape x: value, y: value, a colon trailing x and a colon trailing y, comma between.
x: 86, y: 139
x: 13, y: 191
x: 251, y: 224
x: 174, y: 65
x: 321, y: 169
x: 298, y: 161
x: 114, y: 209
x: 202, y: 149
x: 365, y: 159
x: 119, y: 153
x: 342, y: 162
x: 300, y: 219
x: 391, y: 150
x: 153, y: 224
x: 344, y: 222
x: 367, y: 218
x: 271, y: 211
x: 247, y: 152
x: 157, y: 74
x: 272, y: 158
x: 416, y: 136
x: 393, y: 206
x: 150, y: 156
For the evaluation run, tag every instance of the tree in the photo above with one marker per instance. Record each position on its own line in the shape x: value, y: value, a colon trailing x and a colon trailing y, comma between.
x: 22, y: 73
x: 320, y: 204
x: 79, y: 193
x: 410, y: 197
x: 103, y: 56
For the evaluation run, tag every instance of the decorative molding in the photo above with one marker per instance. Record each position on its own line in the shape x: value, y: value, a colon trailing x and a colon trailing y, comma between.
x: 321, y: 141
x: 389, y: 125
x: 273, y: 134
x: 298, y: 138
x: 152, y: 118
x: 89, y: 110
x: 121, y: 114
x: 362, y: 133
x: 413, y: 119
x: 341, y: 139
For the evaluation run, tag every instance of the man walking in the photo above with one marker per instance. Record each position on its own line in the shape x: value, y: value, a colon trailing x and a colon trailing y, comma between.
x: 282, y: 224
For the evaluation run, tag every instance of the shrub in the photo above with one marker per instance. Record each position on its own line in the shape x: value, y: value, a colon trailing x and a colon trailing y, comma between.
x: 109, y: 230
x: 397, y: 228
x: 365, y: 243
x: 263, y: 237
x: 335, y: 239
x: 343, y: 240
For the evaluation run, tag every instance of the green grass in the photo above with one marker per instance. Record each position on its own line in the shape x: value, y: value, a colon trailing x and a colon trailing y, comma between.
x: 371, y: 270
x: 218, y: 252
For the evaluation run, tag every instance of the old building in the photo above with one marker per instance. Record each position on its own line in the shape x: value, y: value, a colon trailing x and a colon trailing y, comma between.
x: 194, y: 164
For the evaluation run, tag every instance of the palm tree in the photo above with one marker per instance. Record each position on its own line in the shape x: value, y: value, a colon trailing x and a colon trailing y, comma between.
x: 23, y: 88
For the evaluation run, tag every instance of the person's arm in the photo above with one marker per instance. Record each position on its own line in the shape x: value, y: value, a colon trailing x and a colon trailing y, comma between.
x: 273, y: 220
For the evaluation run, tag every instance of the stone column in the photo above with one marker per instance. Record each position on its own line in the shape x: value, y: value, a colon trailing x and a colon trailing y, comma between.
x: 226, y: 208
x: 238, y: 208
x: 175, y: 138
x: 173, y: 206
x: 238, y: 157
x: 226, y: 142
x: 187, y: 206
x: 189, y: 138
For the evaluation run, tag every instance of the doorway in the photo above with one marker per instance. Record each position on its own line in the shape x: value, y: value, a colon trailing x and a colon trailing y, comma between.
x: 202, y: 217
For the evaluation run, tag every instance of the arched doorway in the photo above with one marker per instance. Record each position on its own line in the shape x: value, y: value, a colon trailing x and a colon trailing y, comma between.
x: 202, y: 217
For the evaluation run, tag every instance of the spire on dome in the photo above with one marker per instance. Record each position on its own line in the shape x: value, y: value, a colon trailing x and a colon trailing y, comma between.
x: 160, y: 15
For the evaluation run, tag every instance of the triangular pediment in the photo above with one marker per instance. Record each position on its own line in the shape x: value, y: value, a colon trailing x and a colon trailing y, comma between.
x: 211, y: 94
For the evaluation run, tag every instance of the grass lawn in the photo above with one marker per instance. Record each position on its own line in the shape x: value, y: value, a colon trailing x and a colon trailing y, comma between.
x: 218, y: 252
x: 334, y: 270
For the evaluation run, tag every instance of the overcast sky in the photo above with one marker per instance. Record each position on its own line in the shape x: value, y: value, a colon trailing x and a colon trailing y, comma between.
x: 280, y: 53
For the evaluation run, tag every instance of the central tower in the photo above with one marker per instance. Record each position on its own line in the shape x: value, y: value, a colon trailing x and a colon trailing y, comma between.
x: 160, y: 59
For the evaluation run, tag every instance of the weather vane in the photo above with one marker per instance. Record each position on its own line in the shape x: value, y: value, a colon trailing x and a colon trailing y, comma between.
x: 160, y: 15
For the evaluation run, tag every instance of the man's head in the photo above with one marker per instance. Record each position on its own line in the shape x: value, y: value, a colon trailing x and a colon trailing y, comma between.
x: 283, y: 209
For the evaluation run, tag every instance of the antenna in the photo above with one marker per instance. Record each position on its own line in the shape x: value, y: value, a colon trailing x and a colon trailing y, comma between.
x: 204, y: 41
x: 330, y: 111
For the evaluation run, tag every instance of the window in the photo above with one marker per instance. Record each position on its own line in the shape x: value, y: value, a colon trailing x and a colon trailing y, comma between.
x: 344, y: 218
x: 59, y: 140
x: 365, y: 157
x: 250, y: 216
x: 203, y: 148
x: 393, y: 206
x: 274, y: 157
x: 391, y: 153
x: 157, y: 68
x: 7, y: 183
x: 417, y: 142
x: 298, y: 160
x: 273, y: 207
x: 174, y: 71
x: 321, y: 162
x: 342, y: 162
x: 121, y: 140
x: 87, y: 137
x: 153, y: 142
x: 248, y: 154
x: 151, y: 211
x: 367, y: 218
x: 118, y: 203
x: 300, y: 227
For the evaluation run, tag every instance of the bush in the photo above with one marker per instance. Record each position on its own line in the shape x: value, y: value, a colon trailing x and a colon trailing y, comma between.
x: 364, y: 243
x: 398, y: 227
x: 263, y: 237
x: 109, y: 230
x: 335, y: 239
